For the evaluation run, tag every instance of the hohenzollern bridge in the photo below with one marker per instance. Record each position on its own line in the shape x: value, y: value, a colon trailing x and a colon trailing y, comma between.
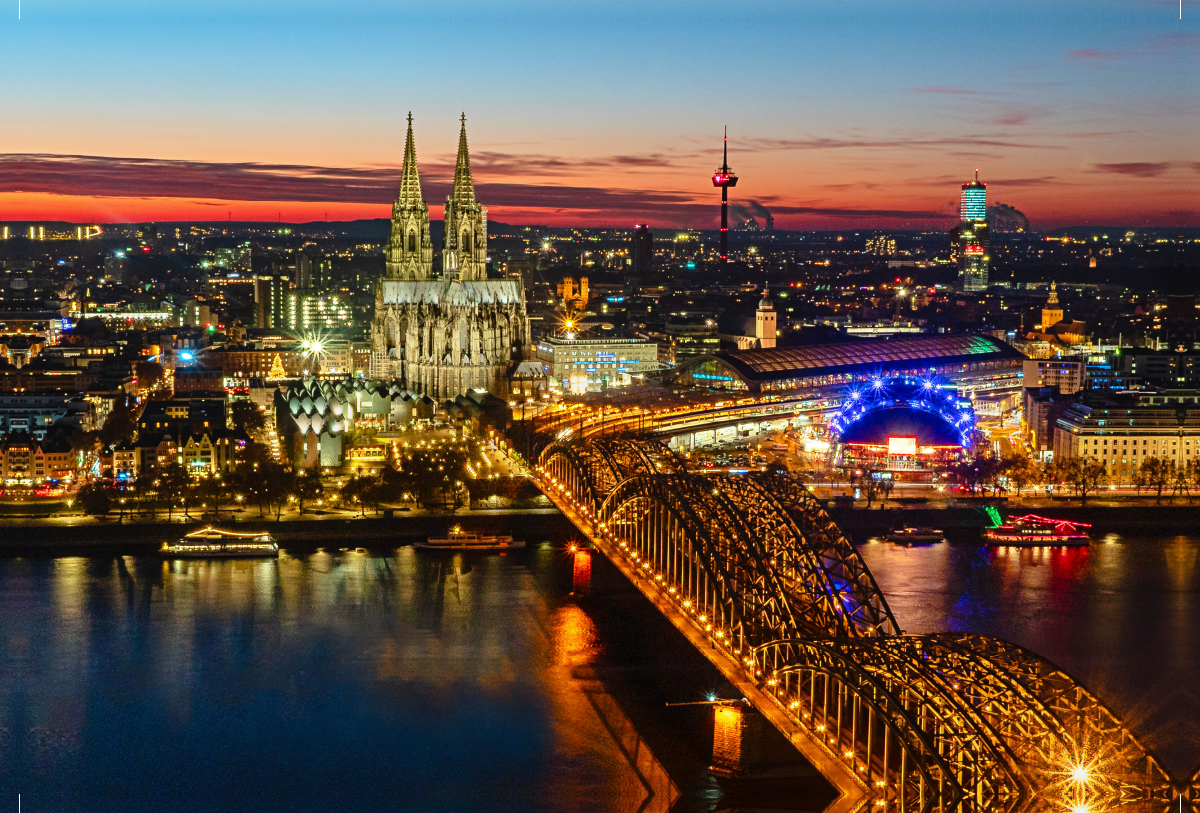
x: 754, y: 572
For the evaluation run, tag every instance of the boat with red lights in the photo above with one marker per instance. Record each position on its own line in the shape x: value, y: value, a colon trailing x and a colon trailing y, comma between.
x: 1031, y: 531
x: 214, y: 543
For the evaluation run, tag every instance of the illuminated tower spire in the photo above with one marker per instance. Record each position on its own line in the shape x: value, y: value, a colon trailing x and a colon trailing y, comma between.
x: 409, y: 252
x: 410, y: 180
x: 464, y: 255
x: 464, y: 187
x: 725, y: 178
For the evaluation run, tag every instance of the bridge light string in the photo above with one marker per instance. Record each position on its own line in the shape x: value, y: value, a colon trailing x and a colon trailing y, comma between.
x: 1081, y: 784
x: 715, y: 634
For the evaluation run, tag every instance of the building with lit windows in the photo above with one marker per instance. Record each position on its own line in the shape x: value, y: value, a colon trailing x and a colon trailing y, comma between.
x: 1123, y: 431
x: 883, y: 245
x: 35, y: 413
x: 243, y: 361
x: 308, y: 310
x: 591, y: 365
x: 971, y: 242
x: 1065, y: 374
x: 210, y: 453
x: 28, y: 462
x: 271, y: 300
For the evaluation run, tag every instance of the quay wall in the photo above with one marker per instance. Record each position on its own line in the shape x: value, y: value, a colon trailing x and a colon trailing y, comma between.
x: 30, y: 537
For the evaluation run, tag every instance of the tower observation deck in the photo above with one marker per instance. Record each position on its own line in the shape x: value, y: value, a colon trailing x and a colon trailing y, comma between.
x: 725, y: 178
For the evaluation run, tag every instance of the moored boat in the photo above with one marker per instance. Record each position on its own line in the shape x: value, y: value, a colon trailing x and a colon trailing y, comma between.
x: 915, y: 536
x: 1033, y: 531
x: 213, y: 543
x: 458, y: 539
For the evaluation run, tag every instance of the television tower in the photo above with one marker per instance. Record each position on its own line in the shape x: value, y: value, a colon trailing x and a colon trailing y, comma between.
x: 725, y: 178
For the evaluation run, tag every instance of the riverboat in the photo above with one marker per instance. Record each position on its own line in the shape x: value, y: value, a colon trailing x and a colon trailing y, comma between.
x: 458, y: 539
x: 213, y: 543
x: 1031, y: 531
x: 916, y: 536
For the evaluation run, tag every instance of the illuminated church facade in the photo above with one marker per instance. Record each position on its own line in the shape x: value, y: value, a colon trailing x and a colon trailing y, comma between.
x: 446, y: 334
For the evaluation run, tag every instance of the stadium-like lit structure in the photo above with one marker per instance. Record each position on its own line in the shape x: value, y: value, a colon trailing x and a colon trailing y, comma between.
x: 902, y: 423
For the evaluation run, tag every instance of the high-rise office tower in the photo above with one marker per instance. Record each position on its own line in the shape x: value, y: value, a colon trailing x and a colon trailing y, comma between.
x: 643, y: 250
x: 271, y: 299
x: 312, y: 269
x: 971, y: 241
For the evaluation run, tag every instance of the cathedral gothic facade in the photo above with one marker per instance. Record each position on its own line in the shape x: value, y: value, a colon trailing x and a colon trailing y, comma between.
x: 444, y: 335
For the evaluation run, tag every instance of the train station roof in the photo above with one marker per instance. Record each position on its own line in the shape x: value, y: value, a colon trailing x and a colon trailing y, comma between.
x: 882, y: 355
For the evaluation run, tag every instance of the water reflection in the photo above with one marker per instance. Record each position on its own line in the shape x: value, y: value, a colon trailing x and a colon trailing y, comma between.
x: 1119, y: 616
x: 334, y: 679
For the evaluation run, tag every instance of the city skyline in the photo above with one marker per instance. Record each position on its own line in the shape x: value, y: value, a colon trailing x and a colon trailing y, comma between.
x: 839, y: 115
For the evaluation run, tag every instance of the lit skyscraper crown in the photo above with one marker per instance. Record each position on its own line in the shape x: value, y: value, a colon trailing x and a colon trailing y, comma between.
x: 973, y: 206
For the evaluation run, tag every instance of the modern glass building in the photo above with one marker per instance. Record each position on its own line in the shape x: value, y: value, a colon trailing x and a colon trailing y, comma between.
x: 971, y: 239
x: 973, y: 205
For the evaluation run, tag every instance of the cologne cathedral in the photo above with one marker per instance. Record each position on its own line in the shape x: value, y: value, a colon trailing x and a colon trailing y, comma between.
x: 447, y: 334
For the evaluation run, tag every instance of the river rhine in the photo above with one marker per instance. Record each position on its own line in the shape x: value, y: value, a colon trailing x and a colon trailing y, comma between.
x: 411, y: 680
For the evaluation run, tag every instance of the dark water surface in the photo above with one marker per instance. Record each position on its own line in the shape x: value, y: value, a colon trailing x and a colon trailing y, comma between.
x: 411, y: 680
x: 398, y: 680
x: 1122, y: 616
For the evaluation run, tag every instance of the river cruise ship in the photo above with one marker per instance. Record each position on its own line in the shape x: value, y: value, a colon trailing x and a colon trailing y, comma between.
x: 916, y: 536
x: 1031, y: 531
x: 213, y: 543
x: 458, y: 539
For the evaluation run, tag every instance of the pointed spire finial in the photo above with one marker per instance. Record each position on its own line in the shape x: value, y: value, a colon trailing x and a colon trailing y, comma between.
x: 410, y: 181
x: 464, y: 187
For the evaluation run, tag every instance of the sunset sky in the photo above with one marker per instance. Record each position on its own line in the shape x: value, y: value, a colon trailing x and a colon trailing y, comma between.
x: 840, y: 114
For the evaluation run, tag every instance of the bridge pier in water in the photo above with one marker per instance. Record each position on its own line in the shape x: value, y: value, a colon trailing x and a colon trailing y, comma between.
x: 755, y: 574
x: 581, y: 571
x: 738, y: 739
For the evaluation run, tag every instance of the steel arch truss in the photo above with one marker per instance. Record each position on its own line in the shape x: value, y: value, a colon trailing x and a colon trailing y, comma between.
x: 846, y: 576
x: 591, y: 469
x: 964, y: 722
x: 691, y: 540
x: 756, y: 567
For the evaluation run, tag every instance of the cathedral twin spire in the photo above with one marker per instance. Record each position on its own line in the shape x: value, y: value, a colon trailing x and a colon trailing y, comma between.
x: 410, y: 180
x: 409, y: 253
x: 464, y: 187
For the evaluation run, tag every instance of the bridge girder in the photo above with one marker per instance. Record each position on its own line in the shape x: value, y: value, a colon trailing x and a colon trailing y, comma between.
x: 945, y: 722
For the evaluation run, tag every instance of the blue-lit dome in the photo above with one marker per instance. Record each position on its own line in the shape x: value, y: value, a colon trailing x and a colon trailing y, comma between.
x: 877, y: 425
x: 921, y: 408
